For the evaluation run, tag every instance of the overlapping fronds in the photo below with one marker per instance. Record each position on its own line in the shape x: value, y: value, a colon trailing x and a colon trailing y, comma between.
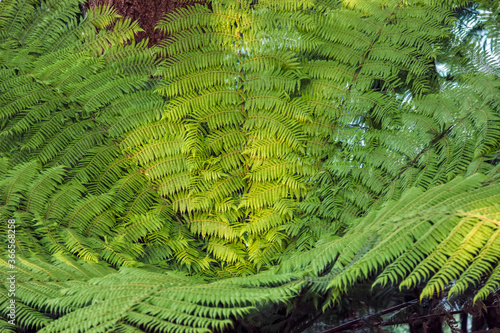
x: 230, y: 73
x: 62, y: 107
x: 39, y: 280
x: 76, y: 102
x: 135, y: 298
x: 60, y: 296
x: 447, y: 236
x: 379, y: 126
x: 310, y: 130
x: 84, y: 154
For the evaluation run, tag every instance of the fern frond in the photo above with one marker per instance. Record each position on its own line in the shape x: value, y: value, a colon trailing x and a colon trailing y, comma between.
x: 164, y: 302
x: 432, y: 236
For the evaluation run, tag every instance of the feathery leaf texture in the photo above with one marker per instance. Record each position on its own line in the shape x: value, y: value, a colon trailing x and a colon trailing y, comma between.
x: 447, y: 236
x: 301, y: 136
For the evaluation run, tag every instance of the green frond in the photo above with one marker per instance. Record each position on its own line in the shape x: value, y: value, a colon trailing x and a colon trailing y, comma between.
x: 210, y: 226
x: 29, y: 317
x: 13, y: 13
x: 186, y: 18
x: 123, y: 30
x: 138, y: 227
x: 73, y: 31
x: 287, y: 4
x: 62, y: 200
x: 75, y: 243
x: 43, y: 187
x: 187, y: 62
x: 433, y: 236
x: 182, y: 106
x: 80, y: 216
x: 163, y: 302
x: 203, y: 79
x: 17, y: 181
x: 229, y: 253
x: 194, y: 39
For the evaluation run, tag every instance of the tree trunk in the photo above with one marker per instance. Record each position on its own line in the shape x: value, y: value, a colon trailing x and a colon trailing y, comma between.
x: 148, y: 13
x: 464, y: 319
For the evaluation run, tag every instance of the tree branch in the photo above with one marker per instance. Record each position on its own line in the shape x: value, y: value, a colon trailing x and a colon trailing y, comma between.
x: 357, y: 321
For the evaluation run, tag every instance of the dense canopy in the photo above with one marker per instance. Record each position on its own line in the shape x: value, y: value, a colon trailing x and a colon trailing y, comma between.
x: 269, y: 157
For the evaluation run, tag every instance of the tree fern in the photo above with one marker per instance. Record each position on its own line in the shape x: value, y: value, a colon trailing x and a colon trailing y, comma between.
x: 406, y: 136
x: 447, y: 237
x: 233, y: 101
x: 310, y: 134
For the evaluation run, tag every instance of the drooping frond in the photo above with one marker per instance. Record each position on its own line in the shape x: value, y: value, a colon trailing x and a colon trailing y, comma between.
x: 446, y: 237
x: 136, y: 299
